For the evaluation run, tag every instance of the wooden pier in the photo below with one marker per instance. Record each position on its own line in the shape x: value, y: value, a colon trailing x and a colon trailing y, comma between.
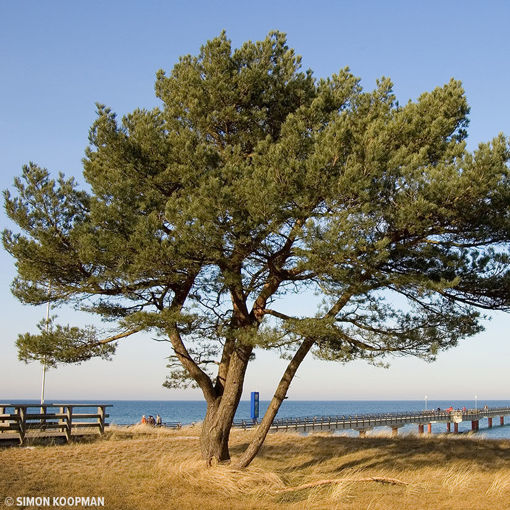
x: 365, y: 422
x: 23, y: 421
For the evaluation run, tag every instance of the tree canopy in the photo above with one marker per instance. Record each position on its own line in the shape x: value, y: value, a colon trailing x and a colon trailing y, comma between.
x: 253, y: 180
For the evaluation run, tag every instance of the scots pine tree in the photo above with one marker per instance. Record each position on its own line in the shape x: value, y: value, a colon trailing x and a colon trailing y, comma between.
x: 253, y: 180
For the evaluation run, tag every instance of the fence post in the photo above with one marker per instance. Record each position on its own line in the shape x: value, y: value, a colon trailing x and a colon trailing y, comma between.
x: 61, y: 419
x: 22, y: 423
x: 100, y: 412
x: 43, y: 419
x: 69, y: 422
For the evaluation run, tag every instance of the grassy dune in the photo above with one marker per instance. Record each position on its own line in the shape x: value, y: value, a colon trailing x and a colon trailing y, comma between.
x: 139, y: 468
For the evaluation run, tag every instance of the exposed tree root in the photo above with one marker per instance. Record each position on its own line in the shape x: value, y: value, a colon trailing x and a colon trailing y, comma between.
x: 380, y: 479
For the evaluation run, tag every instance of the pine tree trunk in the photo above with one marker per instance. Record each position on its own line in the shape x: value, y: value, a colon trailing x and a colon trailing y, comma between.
x: 220, y: 412
x: 214, y: 436
x: 261, y: 432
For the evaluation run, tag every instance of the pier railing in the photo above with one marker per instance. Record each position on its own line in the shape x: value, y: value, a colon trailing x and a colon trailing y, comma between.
x: 47, y: 420
x: 367, y: 421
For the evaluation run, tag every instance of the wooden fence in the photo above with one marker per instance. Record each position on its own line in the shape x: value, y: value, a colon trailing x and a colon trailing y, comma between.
x: 51, y: 420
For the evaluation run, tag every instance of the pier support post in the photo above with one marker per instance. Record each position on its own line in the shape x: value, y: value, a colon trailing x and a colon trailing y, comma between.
x: 455, y: 428
x: 448, y: 427
x: 501, y: 420
x: 420, y: 428
x: 474, y: 425
x: 489, y: 422
x: 429, y: 428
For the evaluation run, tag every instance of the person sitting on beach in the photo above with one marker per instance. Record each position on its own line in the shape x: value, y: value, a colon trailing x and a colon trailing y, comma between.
x: 158, y: 420
x: 151, y: 420
x: 144, y: 420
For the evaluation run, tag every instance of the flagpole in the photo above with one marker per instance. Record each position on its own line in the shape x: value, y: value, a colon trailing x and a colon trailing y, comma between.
x: 43, y: 382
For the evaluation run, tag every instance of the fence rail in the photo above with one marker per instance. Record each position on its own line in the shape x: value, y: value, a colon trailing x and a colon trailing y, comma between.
x: 49, y: 420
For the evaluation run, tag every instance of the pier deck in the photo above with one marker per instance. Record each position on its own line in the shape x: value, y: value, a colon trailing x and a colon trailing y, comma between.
x: 365, y: 422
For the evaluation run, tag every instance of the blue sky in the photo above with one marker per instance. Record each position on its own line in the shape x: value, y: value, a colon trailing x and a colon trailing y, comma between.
x: 58, y: 58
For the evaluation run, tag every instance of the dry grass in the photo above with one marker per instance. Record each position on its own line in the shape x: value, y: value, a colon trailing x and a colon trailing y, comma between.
x: 141, y: 467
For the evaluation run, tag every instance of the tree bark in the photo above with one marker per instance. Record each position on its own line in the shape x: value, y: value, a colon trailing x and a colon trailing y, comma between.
x: 281, y: 391
x: 221, y: 410
x: 214, y: 436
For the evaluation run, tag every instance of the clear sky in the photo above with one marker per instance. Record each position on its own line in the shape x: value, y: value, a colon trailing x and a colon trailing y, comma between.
x: 58, y: 58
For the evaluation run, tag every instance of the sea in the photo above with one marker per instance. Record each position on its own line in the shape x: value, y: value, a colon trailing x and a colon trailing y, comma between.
x: 129, y: 412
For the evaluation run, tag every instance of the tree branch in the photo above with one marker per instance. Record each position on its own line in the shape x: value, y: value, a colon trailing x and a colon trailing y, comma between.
x: 277, y: 314
x: 117, y: 337
x: 201, y: 378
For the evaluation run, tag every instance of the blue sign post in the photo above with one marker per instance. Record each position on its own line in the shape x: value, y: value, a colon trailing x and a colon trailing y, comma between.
x: 254, y: 408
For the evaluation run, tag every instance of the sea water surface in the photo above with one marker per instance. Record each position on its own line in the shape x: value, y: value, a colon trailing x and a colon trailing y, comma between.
x: 127, y: 412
